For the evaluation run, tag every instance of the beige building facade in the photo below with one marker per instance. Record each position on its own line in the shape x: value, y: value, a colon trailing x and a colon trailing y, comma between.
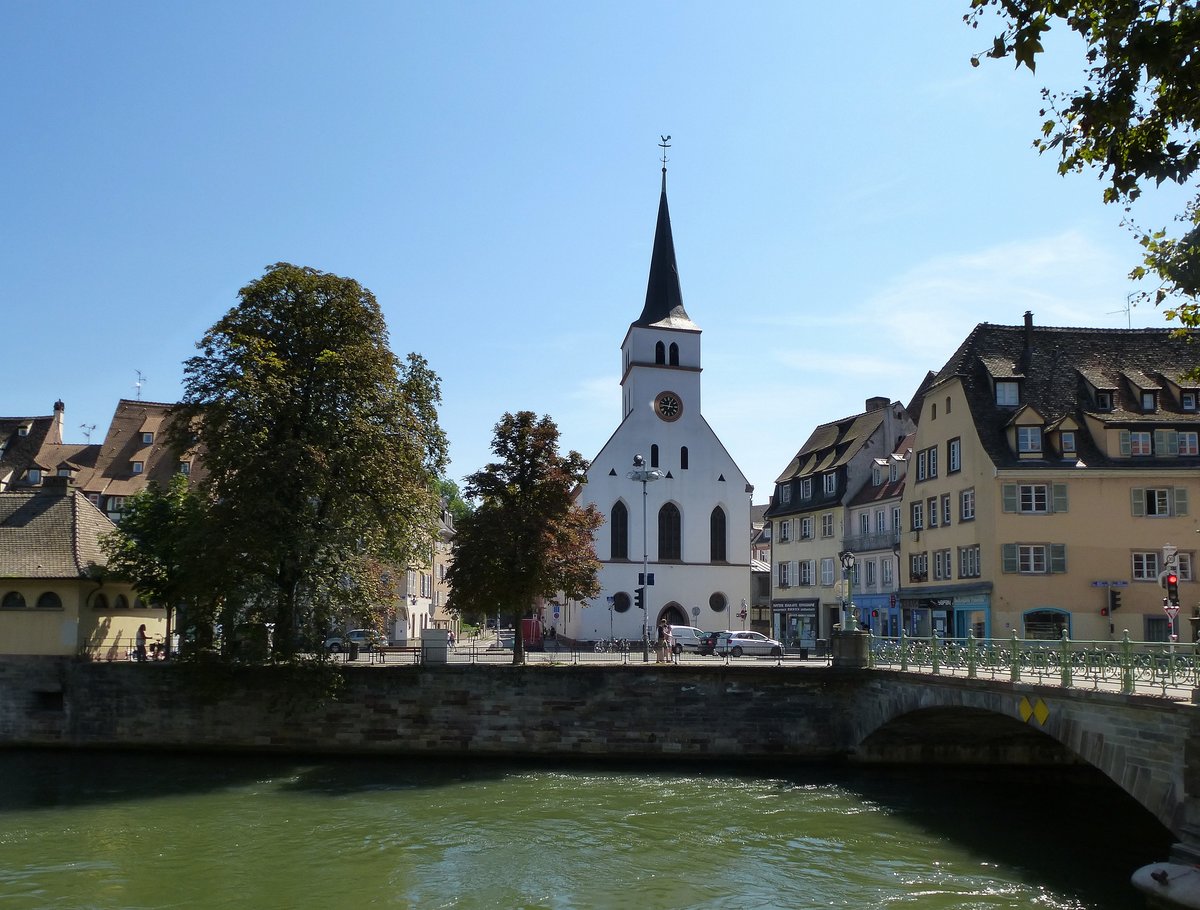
x: 1050, y: 469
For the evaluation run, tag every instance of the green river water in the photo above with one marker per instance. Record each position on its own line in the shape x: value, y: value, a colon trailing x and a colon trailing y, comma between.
x: 119, y: 830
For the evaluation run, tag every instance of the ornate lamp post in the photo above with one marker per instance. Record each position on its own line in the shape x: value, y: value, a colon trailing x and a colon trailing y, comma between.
x: 641, y: 475
x: 847, y: 559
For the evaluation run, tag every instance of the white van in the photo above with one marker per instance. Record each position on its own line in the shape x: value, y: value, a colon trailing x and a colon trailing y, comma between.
x: 685, y: 638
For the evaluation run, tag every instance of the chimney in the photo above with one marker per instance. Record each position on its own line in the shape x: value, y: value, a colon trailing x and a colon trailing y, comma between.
x: 1028, y: 328
x: 874, y: 404
x: 55, y: 436
x: 54, y: 485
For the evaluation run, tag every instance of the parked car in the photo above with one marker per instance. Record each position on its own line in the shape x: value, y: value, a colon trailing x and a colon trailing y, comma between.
x: 364, y: 638
x: 685, y: 638
x: 708, y: 644
x: 735, y: 644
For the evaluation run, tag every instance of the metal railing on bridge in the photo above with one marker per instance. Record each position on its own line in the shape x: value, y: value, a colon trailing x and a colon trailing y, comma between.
x: 1126, y: 666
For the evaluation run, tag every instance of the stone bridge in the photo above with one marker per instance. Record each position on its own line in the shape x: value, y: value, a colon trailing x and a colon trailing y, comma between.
x: 747, y: 711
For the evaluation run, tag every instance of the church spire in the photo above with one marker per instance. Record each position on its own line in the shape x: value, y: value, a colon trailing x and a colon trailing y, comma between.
x: 664, y: 299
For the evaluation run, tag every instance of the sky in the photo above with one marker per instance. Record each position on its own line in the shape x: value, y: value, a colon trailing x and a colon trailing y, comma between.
x: 849, y: 198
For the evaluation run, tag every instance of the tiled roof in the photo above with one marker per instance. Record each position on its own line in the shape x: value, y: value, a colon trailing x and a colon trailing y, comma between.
x: 833, y: 444
x: 111, y: 470
x: 1057, y: 369
x: 49, y: 533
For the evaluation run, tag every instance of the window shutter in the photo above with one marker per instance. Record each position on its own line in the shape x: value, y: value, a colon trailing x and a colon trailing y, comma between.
x: 1009, y: 496
x: 1058, y: 558
x: 1058, y: 497
x: 1008, y: 557
x: 1137, y: 499
x: 1126, y: 448
x: 1181, y: 502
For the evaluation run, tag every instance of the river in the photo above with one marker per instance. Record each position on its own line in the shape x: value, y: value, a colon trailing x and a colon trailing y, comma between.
x: 142, y: 830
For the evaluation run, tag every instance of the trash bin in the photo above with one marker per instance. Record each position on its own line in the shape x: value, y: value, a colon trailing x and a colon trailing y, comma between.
x: 352, y: 650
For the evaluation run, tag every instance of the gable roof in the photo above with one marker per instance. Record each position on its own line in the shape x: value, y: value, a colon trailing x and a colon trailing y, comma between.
x: 52, y: 532
x: 834, y: 444
x: 1058, y: 368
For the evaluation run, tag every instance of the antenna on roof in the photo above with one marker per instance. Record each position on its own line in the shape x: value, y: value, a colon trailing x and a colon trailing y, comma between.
x: 1128, y: 306
x: 141, y: 381
x: 87, y: 430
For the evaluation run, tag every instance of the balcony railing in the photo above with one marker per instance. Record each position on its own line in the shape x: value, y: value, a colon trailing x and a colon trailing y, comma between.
x: 888, y: 540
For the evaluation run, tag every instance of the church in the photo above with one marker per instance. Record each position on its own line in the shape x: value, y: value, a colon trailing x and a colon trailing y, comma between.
x: 672, y: 496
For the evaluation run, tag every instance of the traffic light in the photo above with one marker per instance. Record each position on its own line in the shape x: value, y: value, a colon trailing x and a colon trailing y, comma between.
x: 1114, y: 600
x: 1104, y: 611
x: 1173, y: 589
x: 874, y: 614
x: 639, y: 598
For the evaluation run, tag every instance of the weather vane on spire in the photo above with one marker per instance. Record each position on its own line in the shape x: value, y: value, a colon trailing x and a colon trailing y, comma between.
x: 664, y: 145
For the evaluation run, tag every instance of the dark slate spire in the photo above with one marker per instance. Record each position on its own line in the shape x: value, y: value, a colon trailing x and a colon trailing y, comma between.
x: 664, y: 299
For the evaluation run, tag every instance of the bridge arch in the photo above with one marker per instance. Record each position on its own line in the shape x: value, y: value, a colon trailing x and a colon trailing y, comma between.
x: 1141, y: 743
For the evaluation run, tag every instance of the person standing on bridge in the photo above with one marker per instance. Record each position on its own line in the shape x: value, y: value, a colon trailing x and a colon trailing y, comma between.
x: 660, y: 646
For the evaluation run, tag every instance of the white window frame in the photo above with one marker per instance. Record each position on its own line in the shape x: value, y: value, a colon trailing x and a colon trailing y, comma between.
x: 1029, y: 440
x: 1144, y: 565
x: 881, y: 521
x: 1008, y: 393
x: 806, y: 488
x: 1067, y: 438
x: 785, y: 530
x: 954, y: 456
x: 829, y: 483
x: 885, y: 572
x: 966, y: 504
x: 947, y: 510
x: 785, y: 494
x: 147, y: 439
x: 137, y: 467
x: 916, y: 515
x: 1189, y: 442
x: 806, y: 527
x: 827, y: 524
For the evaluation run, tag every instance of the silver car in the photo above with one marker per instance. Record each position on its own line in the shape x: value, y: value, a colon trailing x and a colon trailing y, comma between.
x: 735, y: 644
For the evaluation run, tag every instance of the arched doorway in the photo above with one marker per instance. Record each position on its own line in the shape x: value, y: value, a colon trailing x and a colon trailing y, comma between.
x: 674, y: 614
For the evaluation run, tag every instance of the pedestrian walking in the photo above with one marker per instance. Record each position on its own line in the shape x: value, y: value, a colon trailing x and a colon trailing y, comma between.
x: 139, y: 649
x: 660, y: 647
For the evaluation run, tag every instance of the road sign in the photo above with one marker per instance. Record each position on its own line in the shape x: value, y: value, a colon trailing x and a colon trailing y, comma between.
x: 1172, y: 611
x: 1169, y: 551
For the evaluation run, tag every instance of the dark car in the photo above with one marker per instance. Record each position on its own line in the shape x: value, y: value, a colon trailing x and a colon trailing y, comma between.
x: 708, y: 643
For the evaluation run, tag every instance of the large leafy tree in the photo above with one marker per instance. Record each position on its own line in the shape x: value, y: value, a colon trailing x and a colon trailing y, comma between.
x: 322, y: 448
x: 161, y: 546
x: 1135, y: 118
x: 527, y: 536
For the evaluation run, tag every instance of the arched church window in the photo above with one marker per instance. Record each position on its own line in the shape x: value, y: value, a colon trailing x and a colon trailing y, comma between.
x: 49, y: 601
x: 670, y: 533
x: 618, y: 524
x: 683, y: 458
x: 13, y: 600
x: 716, y: 529
x: 674, y: 354
x: 660, y: 353
x: 654, y: 456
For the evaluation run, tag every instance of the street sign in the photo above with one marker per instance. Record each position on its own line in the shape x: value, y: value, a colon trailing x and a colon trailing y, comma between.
x: 1172, y: 611
x: 1169, y: 551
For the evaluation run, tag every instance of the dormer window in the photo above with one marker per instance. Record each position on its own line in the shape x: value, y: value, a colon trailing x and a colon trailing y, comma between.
x: 830, y: 483
x: 136, y: 467
x: 1029, y: 440
x: 876, y: 475
x: 185, y: 467
x: 1187, y: 401
x: 785, y: 494
x: 147, y: 439
x: 1067, y: 442
x: 23, y: 430
x: 806, y: 488
x: 33, y: 475
x: 1149, y: 402
x: 894, y: 472
x: 64, y: 472
x: 1007, y: 394
x: 1104, y: 401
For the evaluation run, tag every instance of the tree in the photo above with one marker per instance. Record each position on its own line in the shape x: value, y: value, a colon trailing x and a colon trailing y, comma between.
x: 455, y: 504
x: 527, y: 537
x: 160, y: 547
x: 1135, y: 118
x: 322, y: 448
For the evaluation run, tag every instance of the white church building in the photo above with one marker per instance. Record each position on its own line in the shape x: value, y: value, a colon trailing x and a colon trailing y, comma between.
x: 695, y: 502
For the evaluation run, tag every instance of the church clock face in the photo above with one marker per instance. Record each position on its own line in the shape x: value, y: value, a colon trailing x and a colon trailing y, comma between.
x: 668, y: 406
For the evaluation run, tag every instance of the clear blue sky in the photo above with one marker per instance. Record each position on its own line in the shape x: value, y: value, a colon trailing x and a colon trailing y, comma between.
x: 849, y: 198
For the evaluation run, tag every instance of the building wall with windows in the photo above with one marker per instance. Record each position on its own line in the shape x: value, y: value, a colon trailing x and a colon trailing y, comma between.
x: 808, y: 518
x: 1068, y: 460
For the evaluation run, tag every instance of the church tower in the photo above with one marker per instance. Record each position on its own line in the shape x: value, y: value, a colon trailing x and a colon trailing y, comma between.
x: 695, y: 504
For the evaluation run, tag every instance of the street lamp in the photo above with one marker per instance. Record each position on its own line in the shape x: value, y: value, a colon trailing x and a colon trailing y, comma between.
x: 642, y: 475
x: 847, y: 559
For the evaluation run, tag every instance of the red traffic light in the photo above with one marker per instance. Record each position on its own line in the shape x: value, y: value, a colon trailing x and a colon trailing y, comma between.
x: 1172, y: 579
